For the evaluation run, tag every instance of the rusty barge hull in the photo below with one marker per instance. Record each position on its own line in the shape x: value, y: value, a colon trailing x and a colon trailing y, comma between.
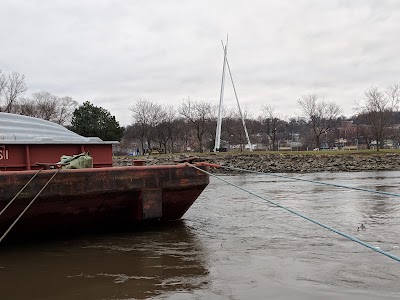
x: 84, y: 200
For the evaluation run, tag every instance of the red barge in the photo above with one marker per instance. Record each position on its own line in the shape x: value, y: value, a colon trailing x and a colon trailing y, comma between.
x: 69, y: 201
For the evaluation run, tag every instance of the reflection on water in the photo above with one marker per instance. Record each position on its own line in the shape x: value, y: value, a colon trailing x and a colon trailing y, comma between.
x: 231, y: 245
x: 127, y: 266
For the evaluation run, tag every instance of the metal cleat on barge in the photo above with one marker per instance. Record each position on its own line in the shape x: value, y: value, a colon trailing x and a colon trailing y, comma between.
x: 40, y: 196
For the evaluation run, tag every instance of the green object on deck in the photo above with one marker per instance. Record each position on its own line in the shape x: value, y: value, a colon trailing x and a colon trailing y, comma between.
x: 80, y: 161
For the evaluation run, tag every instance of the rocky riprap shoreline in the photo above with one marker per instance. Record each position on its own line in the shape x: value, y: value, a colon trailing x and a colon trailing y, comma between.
x: 280, y: 163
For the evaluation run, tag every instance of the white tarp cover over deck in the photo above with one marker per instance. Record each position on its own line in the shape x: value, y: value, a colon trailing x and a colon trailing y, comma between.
x: 17, y: 129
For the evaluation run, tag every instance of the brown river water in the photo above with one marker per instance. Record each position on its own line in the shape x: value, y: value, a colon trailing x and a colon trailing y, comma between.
x: 230, y: 245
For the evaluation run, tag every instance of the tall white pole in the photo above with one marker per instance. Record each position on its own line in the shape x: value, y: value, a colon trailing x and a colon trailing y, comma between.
x: 221, y: 97
x: 240, y: 110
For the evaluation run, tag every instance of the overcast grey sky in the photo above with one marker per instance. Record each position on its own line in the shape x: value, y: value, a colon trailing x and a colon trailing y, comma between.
x: 113, y: 53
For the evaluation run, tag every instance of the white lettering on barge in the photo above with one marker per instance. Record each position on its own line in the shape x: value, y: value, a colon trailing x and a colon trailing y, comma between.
x: 3, y: 154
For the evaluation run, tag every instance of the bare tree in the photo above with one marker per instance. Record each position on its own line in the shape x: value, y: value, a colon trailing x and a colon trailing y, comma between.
x: 393, y: 94
x: 272, y: 122
x: 46, y: 105
x: 323, y: 116
x: 25, y: 107
x: 233, y: 131
x: 147, y: 115
x: 165, y: 128
x: 377, y: 110
x: 141, y: 119
x: 198, y: 115
x: 181, y: 134
x: 132, y: 134
x: 3, y: 83
x: 15, y: 86
x: 65, y: 107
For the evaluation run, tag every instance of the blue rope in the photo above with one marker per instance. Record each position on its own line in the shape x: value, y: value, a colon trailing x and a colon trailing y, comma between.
x: 305, y: 217
x: 314, y: 181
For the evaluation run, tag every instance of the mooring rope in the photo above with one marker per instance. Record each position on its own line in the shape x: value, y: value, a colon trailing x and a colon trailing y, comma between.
x: 304, y: 217
x: 29, y: 205
x: 314, y: 181
x: 20, y: 191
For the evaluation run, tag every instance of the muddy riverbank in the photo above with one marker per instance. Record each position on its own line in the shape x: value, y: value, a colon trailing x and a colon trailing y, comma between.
x: 282, y: 163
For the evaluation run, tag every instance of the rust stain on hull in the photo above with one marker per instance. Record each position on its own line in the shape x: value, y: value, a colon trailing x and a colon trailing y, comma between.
x: 98, y: 199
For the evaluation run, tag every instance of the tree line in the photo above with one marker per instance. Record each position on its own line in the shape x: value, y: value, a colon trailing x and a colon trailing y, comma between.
x: 87, y: 119
x: 191, y: 125
x: 41, y: 105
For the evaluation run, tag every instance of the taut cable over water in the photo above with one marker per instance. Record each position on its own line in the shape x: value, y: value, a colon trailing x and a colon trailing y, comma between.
x: 313, y: 181
x: 30, y: 203
x: 20, y: 191
x: 298, y: 214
